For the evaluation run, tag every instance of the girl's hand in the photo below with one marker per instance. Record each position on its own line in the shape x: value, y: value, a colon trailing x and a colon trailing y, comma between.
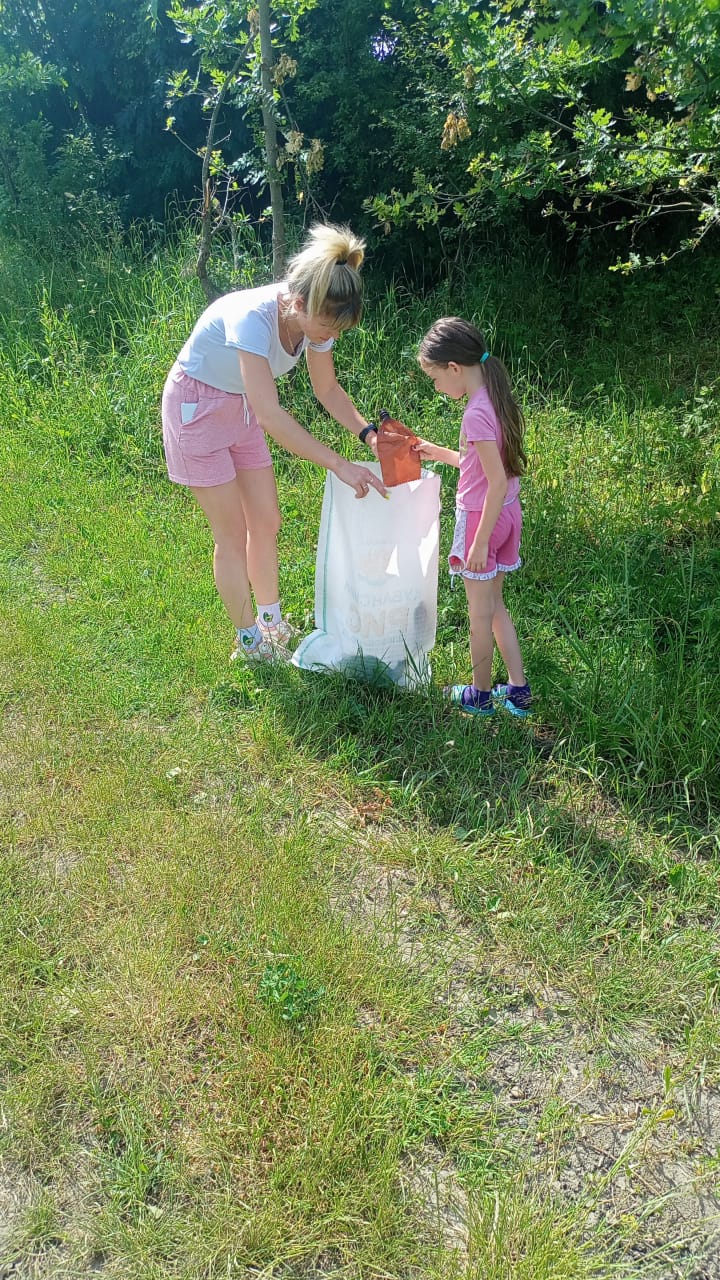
x: 477, y: 557
x: 359, y: 478
x: 427, y: 450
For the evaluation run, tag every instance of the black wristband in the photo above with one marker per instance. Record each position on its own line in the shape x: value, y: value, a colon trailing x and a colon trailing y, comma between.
x: 364, y: 433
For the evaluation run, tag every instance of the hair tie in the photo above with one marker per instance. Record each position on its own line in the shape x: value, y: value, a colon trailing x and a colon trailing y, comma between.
x: 341, y: 262
x: 484, y: 358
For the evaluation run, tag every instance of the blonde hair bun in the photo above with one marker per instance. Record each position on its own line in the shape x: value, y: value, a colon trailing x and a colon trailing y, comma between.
x: 341, y: 244
x: 313, y: 273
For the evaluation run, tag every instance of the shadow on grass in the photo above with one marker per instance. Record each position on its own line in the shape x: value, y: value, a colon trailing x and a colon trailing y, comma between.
x: 434, y: 761
x: 626, y: 672
x: 478, y: 779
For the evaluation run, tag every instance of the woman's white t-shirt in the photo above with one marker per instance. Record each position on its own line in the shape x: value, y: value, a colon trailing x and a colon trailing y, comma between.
x: 243, y: 321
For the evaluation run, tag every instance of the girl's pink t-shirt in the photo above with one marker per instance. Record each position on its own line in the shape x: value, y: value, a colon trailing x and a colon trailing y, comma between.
x: 479, y: 422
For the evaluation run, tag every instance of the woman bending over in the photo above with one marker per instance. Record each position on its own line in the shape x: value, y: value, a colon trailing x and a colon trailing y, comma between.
x: 220, y: 399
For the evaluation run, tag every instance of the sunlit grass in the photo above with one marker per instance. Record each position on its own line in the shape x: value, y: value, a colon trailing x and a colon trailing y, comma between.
x: 227, y: 1047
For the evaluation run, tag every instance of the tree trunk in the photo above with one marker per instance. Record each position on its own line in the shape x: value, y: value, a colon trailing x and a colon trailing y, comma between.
x: 271, y: 141
x: 206, y: 228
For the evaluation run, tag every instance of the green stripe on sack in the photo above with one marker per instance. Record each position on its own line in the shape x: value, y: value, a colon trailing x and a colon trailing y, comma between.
x: 305, y: 647
x: 328, y: 490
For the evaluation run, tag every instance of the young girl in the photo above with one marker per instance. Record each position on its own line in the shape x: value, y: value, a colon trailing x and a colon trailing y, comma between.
x: 486, y: 544
x: 220, y: 398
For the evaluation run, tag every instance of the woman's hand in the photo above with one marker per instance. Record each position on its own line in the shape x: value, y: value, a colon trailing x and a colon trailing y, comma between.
x: 359, y: 478
x: 477, y: 557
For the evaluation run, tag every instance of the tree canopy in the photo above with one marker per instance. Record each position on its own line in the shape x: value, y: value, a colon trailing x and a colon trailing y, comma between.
x: 581, y: 115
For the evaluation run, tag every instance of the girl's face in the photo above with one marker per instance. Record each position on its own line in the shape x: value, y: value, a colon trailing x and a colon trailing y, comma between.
x: 448, y: 379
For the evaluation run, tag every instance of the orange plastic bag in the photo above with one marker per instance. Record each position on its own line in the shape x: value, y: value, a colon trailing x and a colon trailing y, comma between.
x: 397, y: 461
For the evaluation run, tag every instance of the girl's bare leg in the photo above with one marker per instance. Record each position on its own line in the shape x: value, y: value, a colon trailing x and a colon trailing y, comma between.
x: 481, y: 607
x: 505, y: 635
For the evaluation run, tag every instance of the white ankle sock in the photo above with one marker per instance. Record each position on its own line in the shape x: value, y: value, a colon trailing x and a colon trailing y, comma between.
x: 248, y: 637
x: 269, y: 615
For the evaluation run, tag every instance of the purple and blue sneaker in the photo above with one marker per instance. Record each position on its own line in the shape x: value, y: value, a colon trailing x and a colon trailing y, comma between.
x: 469, y: 700
x: 517, y: 699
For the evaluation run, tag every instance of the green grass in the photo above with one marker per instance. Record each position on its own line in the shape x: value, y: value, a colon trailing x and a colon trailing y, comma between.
x: 295, y: 972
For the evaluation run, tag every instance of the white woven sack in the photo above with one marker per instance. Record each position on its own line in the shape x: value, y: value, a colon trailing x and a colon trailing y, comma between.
x: 376, y: 582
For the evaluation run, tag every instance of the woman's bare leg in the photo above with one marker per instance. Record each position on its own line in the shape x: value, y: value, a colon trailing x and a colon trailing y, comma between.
x: 258, y: 494
x: 245, y: 519
x: 223, y: 507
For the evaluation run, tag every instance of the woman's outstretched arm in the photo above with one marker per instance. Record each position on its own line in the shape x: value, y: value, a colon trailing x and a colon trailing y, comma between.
x: 262, y: 393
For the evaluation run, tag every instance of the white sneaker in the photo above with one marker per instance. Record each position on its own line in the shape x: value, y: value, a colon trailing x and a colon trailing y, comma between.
x: 279, y: 635
x: 261, y: 651
x: 271, y: 647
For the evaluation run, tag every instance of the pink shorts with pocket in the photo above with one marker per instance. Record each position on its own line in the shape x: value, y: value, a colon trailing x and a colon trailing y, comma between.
x: 503, y: 547
x: 209, y: 435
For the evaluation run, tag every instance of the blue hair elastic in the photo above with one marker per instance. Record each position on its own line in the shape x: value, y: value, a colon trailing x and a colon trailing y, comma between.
x: 484, y: 358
